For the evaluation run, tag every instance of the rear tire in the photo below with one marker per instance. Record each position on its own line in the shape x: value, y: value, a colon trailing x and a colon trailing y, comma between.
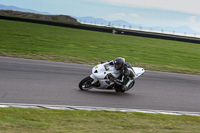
x: 120, y: 90
x: 131, y: 85
x: 85, y: 84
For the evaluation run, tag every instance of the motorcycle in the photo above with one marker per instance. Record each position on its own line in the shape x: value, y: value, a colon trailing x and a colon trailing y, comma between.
x: 105, y: 77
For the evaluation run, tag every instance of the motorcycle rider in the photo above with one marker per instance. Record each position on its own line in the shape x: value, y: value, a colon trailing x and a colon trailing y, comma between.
x: 126, y: 75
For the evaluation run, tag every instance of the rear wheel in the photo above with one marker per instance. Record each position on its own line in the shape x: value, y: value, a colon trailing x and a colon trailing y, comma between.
x: 131, y: 85
x: 120, y: 89
x: 85, y: 84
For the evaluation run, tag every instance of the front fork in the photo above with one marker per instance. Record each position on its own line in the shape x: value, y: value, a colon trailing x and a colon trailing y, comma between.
x: 94, y: 79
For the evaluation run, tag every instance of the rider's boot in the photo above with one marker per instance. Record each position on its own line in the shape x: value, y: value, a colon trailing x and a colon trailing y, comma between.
x: 124, y: 87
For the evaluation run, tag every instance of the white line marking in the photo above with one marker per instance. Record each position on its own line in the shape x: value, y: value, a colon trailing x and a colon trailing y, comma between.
x: 89, y: 108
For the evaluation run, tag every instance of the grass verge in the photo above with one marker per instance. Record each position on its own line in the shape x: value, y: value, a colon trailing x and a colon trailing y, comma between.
x: 56, y: 121
x: 36, y: 41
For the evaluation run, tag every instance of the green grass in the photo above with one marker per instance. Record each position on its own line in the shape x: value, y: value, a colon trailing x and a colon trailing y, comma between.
x: 19, y: 120
x: 35, y: 41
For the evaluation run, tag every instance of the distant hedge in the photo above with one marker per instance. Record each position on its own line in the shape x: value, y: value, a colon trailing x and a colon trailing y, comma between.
x: 104, y: 29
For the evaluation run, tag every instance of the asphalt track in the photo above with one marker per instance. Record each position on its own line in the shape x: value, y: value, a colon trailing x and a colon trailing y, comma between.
x: 42, y: 82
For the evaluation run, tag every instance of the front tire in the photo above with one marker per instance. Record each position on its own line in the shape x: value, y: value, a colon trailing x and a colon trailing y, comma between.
x: 85, y: 84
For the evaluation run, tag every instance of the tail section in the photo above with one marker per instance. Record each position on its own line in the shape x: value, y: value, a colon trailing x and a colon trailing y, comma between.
x: 138, y: 71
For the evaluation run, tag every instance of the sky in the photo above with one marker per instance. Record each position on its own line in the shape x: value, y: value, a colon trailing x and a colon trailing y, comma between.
x: 172, y: 13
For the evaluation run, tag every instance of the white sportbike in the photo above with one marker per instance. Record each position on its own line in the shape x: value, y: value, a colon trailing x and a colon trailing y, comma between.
x: 105, y: 77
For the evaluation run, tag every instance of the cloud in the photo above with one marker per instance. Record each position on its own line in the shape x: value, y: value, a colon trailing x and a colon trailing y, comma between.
x: 192, y: 19
x: 188, y: 6
x: 134, y: 15
x: 123, y: 16
x: 116, y: 16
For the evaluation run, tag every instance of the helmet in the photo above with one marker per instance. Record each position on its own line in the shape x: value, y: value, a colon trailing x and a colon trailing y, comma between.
x: 119, y: 62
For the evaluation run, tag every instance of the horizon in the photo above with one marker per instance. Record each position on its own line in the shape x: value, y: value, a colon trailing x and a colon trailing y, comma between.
x: 145, y: 13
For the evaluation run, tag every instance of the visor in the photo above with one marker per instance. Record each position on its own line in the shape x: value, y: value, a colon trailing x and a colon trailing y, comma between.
x: 117, y: 66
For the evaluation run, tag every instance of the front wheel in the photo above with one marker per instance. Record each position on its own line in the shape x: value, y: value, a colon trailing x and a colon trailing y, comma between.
x: 85, y: 84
